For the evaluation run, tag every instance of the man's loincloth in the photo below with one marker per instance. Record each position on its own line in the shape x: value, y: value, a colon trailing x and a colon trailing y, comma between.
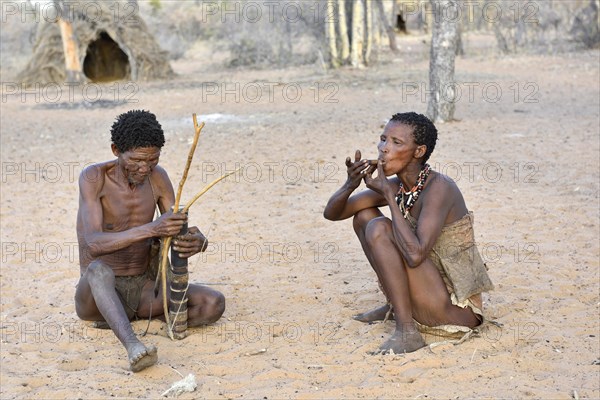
x: 129, y: 289
x: 459, y: 263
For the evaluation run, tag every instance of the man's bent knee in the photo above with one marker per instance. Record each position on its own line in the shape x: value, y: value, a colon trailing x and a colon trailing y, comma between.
x: 214, y: 307
x: 85, y: 306
x: 99, y: 270
x: 97, y: 276
x: 86, y: 312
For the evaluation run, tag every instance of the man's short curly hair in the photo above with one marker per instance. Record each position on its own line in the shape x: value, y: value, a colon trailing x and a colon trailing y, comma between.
x: 424, y: 131
x: 136, y: 128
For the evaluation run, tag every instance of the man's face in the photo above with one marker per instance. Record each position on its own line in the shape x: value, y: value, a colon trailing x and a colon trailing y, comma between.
x: 137, y: 164
x: 397, y: 147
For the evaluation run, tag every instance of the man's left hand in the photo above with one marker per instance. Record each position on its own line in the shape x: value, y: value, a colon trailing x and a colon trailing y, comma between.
x: 191, y: 243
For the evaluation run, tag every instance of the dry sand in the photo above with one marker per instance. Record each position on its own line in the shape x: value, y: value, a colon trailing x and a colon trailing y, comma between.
x: 529, y: 171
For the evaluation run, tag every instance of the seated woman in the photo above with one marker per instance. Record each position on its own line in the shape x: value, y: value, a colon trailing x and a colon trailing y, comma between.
x: 424, y: 256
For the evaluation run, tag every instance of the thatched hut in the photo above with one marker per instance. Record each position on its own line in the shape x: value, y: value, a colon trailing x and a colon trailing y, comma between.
x: 113, y: 43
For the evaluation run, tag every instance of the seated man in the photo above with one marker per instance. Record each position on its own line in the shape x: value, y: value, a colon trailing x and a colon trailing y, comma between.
x: 115, y: 230
x: 424, y: 256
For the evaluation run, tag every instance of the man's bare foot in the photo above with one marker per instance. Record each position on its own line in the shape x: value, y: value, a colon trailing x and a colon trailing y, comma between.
x: 377, y: 314
x: 141, y: 357
x: 402, y: 342
x: 101, y: 325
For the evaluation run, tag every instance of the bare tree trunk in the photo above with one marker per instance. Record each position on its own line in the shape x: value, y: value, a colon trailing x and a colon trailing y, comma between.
x: 331, y: 39
x: 394, y: 13
x: 500, y: 39
x: 425, y: 19
x: 378, y: 32
x: 356, y: 46
x: 289, y: 41
x: 460, y: 49
x: 343, y: 25
x: 497, y: 26
x: 368, y: 9
x: 389, y: 29
x: 359, y: 48
x: 441, y: 104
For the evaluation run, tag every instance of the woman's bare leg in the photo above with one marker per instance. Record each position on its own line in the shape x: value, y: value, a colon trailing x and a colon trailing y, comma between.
x: 360, y: 222
x: 418, y: 293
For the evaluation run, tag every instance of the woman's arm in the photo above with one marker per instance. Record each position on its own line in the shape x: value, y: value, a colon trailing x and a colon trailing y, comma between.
x: 341, y: 205
x: 436, y: 205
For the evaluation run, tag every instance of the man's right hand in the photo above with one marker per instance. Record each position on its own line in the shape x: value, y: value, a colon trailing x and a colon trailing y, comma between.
x: 357, y: 170
x: 169, y: 224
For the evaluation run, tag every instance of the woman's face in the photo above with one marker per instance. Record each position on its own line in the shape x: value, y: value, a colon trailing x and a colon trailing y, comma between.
x: 397, y: 148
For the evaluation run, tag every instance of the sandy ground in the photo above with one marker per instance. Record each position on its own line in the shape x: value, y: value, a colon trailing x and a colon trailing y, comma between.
x: 527, y: 162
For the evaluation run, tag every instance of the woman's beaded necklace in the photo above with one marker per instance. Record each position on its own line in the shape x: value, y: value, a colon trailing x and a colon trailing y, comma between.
x: 406, y: 200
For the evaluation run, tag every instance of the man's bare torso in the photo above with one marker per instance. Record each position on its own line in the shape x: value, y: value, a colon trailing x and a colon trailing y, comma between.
x: 123, y: 207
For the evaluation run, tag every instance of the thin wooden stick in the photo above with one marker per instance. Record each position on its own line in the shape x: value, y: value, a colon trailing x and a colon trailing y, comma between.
x: 198, y: 129
x: 206, y: 189
x: 167, y: 243
x: 163, y: 280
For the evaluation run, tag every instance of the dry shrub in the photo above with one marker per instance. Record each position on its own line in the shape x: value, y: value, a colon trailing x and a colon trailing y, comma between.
x: 539, y: 26
x: 584, y: 28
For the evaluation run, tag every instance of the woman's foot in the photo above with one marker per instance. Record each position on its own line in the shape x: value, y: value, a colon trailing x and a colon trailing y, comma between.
x: 377, y: 314
x: 402, y: 342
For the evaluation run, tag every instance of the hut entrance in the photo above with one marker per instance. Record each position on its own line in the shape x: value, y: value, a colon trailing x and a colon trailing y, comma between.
x: 105, y: 61
x: 400, y: 24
